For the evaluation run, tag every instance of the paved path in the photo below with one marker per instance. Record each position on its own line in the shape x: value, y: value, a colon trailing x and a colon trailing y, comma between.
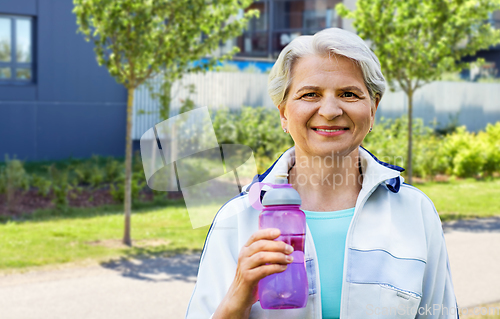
x: 474, y: 253
x: 140, y: 289
x: 161, y: 288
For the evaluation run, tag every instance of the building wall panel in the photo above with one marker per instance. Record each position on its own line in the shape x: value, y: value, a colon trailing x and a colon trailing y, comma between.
x: 74, y: 107
x: 80, y: 130
x: 18, y: 130
x: 21, y: 7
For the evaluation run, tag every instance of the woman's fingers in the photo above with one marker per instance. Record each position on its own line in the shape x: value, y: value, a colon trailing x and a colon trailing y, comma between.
x: 268, y: 233
x: 263, y: 251
x: 268, y: 245
x: 265, y: 257
x: 263, y: 240
x: 256, y: 274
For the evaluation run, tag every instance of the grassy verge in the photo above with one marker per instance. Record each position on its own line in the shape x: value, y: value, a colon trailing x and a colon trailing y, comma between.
x: 95, y: 234
x: 467, y: 198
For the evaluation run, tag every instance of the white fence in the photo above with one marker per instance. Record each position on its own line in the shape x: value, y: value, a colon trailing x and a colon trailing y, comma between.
x: 212, y: 89
x: 475, y: 104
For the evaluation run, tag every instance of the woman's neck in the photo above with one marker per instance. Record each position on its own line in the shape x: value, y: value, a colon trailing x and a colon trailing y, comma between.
x: 327, y: 183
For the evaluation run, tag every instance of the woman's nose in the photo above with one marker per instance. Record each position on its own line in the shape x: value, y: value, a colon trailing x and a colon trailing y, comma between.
x: 330, y: 108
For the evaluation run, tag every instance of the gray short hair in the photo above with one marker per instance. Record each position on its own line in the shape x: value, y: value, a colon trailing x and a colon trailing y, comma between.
x: 325, y: 42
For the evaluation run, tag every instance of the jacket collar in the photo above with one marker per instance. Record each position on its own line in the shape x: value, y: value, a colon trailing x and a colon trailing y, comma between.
x: 374, y: 171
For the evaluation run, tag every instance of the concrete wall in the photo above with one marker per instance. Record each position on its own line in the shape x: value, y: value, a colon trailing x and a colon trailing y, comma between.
x: 74, y: 107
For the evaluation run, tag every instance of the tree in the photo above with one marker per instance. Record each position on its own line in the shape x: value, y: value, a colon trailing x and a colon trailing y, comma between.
x: 417, y: 41
x: 138, y: 39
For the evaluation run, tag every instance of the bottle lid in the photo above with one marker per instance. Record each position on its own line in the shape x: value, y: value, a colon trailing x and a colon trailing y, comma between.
x: 285, y: 194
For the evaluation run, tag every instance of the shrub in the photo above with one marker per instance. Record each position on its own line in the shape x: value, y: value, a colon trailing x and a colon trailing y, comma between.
x: 452, y: 145
x: 83, y: 173
x: 490, y: 140
x: 117, y: 190
x: 96, y: 177
x: 42, y: 184
x: 469, y: 162
x: 113, y: 169
x: 464, y: 153
x: 89, y: 172
x: 13, y: 177
x: 258, y: 128
x: 427, y: 159
x: 60, y: 186
x: 389, y: 142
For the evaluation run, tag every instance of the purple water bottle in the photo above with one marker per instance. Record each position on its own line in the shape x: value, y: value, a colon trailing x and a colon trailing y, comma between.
x: 288, y: 289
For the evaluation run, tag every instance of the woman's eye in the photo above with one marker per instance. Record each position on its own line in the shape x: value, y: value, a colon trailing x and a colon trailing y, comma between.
x: 311, y: 94
x: 349, y: 95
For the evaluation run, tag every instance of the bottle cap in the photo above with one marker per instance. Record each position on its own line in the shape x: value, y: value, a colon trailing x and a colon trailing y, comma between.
x: 283, y: 195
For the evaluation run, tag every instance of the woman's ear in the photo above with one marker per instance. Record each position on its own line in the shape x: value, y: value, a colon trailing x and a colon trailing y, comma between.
x: 283, y: 117
x: 375, y: 104
x: 374, y: 107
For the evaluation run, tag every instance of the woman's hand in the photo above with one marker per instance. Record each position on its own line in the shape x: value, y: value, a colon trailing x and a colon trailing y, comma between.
x: 260, y: 257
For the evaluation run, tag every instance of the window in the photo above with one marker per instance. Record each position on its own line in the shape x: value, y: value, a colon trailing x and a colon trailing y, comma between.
x: 293, y: 18
x: 16, y: 49
x: 254, y: 40
x: 289, y: 14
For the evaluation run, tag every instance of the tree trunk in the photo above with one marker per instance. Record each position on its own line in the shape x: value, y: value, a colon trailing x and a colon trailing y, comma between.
x: 128, y: 169
x: 409, y: 167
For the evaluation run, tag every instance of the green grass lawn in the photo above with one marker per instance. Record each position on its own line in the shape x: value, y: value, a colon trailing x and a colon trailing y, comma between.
x: 464, y: 198
x: 94, y: 234
x: 164, y: 228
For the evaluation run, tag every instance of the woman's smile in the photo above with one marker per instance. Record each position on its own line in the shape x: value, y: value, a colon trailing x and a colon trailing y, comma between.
x: 330, y: 130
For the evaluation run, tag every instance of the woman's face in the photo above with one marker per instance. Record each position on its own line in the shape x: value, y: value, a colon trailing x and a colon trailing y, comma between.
x: 328, y: 110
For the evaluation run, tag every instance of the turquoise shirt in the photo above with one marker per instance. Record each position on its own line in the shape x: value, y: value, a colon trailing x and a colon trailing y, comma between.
x: 329, y: 231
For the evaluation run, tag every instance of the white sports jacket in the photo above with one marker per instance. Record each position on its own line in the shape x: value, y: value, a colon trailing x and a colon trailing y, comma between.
x: 395, y: 262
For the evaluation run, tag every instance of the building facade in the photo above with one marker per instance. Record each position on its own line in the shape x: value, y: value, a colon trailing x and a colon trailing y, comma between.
x: 55, y: 101
x: 280, y: 21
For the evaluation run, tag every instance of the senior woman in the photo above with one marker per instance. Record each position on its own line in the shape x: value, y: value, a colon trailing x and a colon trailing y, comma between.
x: 374, y: 246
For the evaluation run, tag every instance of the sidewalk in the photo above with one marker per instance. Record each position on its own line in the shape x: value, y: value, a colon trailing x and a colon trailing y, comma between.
x: 161, y: 287
x: 474, y: 253
x: 139, y: 289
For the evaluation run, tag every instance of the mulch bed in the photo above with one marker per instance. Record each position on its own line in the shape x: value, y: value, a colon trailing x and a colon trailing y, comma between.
x: 26, y: 202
